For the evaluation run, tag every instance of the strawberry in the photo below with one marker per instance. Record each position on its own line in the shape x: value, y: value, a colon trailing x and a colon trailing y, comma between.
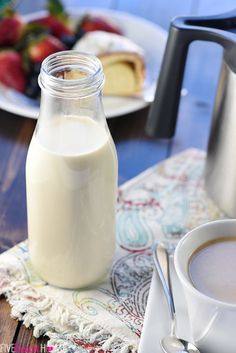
x: 11, y: 70
x: 93, y: 23
x: 10, y: 29
x: 57, y: 21
x: 55, y: 26
x: 43, y: 47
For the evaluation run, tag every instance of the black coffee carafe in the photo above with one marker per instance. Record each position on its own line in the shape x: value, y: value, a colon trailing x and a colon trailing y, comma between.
x: 220, y: 171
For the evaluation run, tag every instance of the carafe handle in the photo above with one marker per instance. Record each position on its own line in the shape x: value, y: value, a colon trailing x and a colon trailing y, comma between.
x: 183, y: 30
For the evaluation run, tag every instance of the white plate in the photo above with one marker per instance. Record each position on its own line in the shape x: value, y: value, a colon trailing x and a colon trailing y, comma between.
x: 148, y: 35
x: 157, y: 317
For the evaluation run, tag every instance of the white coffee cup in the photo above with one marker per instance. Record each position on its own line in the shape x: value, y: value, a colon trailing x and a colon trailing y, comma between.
x: 213, y: 322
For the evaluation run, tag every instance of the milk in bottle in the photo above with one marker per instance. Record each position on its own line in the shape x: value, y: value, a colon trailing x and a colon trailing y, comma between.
x: 71, y: 175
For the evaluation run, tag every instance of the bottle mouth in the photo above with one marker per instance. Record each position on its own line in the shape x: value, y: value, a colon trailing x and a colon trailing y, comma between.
x: 71, y: 74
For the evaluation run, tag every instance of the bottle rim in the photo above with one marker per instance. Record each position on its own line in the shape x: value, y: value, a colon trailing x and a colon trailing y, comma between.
x: 53, y: 69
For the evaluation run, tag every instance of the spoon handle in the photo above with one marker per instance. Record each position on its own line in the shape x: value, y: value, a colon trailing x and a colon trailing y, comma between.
x: 162, y: 266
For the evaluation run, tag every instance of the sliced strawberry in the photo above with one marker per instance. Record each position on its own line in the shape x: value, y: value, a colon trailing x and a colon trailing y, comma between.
x: 55, y: 26
x: 43, y: 47
x: 92, y: 23
x: 11, y: 70
x: 58, y: 21
x: 10, y: 29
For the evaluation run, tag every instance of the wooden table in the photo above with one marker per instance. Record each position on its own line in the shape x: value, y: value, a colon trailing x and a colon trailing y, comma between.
x: 136, y: 151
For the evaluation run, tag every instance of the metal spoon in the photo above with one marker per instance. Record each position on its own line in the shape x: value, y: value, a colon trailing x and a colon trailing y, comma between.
x: 169, y: 344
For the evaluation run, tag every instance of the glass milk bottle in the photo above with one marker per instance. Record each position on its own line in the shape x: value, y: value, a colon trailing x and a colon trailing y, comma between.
x: 71, y: 175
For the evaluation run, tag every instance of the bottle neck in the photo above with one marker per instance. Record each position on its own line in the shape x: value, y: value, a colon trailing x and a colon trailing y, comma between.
x: 71, y: 85
x: 54, y: 107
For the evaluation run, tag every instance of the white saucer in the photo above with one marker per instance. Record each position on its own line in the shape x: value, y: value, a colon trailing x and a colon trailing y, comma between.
x: 157, y: 317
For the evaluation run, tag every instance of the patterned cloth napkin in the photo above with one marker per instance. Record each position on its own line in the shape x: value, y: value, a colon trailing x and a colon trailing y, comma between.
x: 164, y: 203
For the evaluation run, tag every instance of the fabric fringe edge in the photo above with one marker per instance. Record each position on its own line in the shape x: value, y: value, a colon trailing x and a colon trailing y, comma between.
x: 43, y: 313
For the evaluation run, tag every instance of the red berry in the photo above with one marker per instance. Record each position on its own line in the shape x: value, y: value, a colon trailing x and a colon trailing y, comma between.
x: 45, y: 46
x: 10, y: 30
x: 90, y: 24
x: 11, y: 70
x: 56, y: 26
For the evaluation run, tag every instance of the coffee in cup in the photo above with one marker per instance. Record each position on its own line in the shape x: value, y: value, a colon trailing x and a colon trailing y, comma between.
x: 212, y: 269
x: 205, y: 262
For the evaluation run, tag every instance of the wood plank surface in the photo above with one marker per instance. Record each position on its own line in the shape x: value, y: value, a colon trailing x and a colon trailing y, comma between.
x: 15, y: 134
x: 25, y: 339
x: 8, y: 327
x: 133, y: 145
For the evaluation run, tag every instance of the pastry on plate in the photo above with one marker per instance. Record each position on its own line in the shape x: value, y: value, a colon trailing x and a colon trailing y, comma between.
x: 122, y: 60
